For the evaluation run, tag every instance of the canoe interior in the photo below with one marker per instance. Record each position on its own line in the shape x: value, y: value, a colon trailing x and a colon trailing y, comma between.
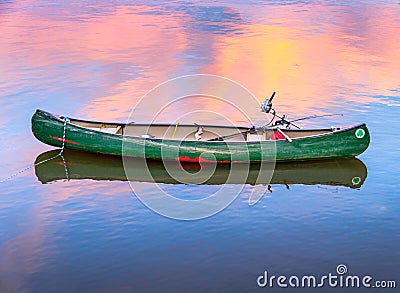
x: 187, y: 132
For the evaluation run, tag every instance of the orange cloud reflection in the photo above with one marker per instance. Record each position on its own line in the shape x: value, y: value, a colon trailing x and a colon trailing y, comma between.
x: 311, y: 65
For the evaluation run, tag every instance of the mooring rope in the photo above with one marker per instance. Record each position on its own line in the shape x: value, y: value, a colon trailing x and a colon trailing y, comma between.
x: 65, y: 168
x: 66, y: 120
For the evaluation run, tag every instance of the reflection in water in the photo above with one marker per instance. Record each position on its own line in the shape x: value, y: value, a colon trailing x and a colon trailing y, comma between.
x: 94, y: 59
x: 213, y: 19
x: 125, y: 50
x: 81, y: 165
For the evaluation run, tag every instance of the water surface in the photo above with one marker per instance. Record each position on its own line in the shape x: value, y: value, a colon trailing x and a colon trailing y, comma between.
x: 96, y: 59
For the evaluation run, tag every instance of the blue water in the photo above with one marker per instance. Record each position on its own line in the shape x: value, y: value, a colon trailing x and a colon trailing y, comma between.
x: 95, y: 59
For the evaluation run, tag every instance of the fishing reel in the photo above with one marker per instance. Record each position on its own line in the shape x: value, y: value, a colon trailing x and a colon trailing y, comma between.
x: 282, y: 121
x: 266, y: 107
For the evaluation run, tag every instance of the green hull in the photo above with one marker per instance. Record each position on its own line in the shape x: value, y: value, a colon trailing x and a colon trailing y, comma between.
x: 48, y: 128
x: 82, y: 165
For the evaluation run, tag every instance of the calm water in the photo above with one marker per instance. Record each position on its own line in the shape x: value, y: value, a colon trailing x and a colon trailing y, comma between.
x: 94, y: 59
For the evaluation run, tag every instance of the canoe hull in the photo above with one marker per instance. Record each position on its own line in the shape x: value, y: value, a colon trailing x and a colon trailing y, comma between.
x: 346, y: 143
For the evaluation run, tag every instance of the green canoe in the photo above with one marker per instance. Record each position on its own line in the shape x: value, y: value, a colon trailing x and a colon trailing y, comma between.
x: 76, y: 165
x: 205, y: 143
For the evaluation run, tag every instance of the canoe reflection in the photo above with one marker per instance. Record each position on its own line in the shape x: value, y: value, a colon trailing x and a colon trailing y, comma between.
x: 82, y: 165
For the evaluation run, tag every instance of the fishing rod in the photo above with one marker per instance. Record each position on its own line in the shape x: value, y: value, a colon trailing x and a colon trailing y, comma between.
x: 282, y: 121
x: 316, y: 116
x: 266, y: 107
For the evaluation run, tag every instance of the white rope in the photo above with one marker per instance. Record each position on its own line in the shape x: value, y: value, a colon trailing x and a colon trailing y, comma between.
x: 65, y: 168
x: 66, y: 120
